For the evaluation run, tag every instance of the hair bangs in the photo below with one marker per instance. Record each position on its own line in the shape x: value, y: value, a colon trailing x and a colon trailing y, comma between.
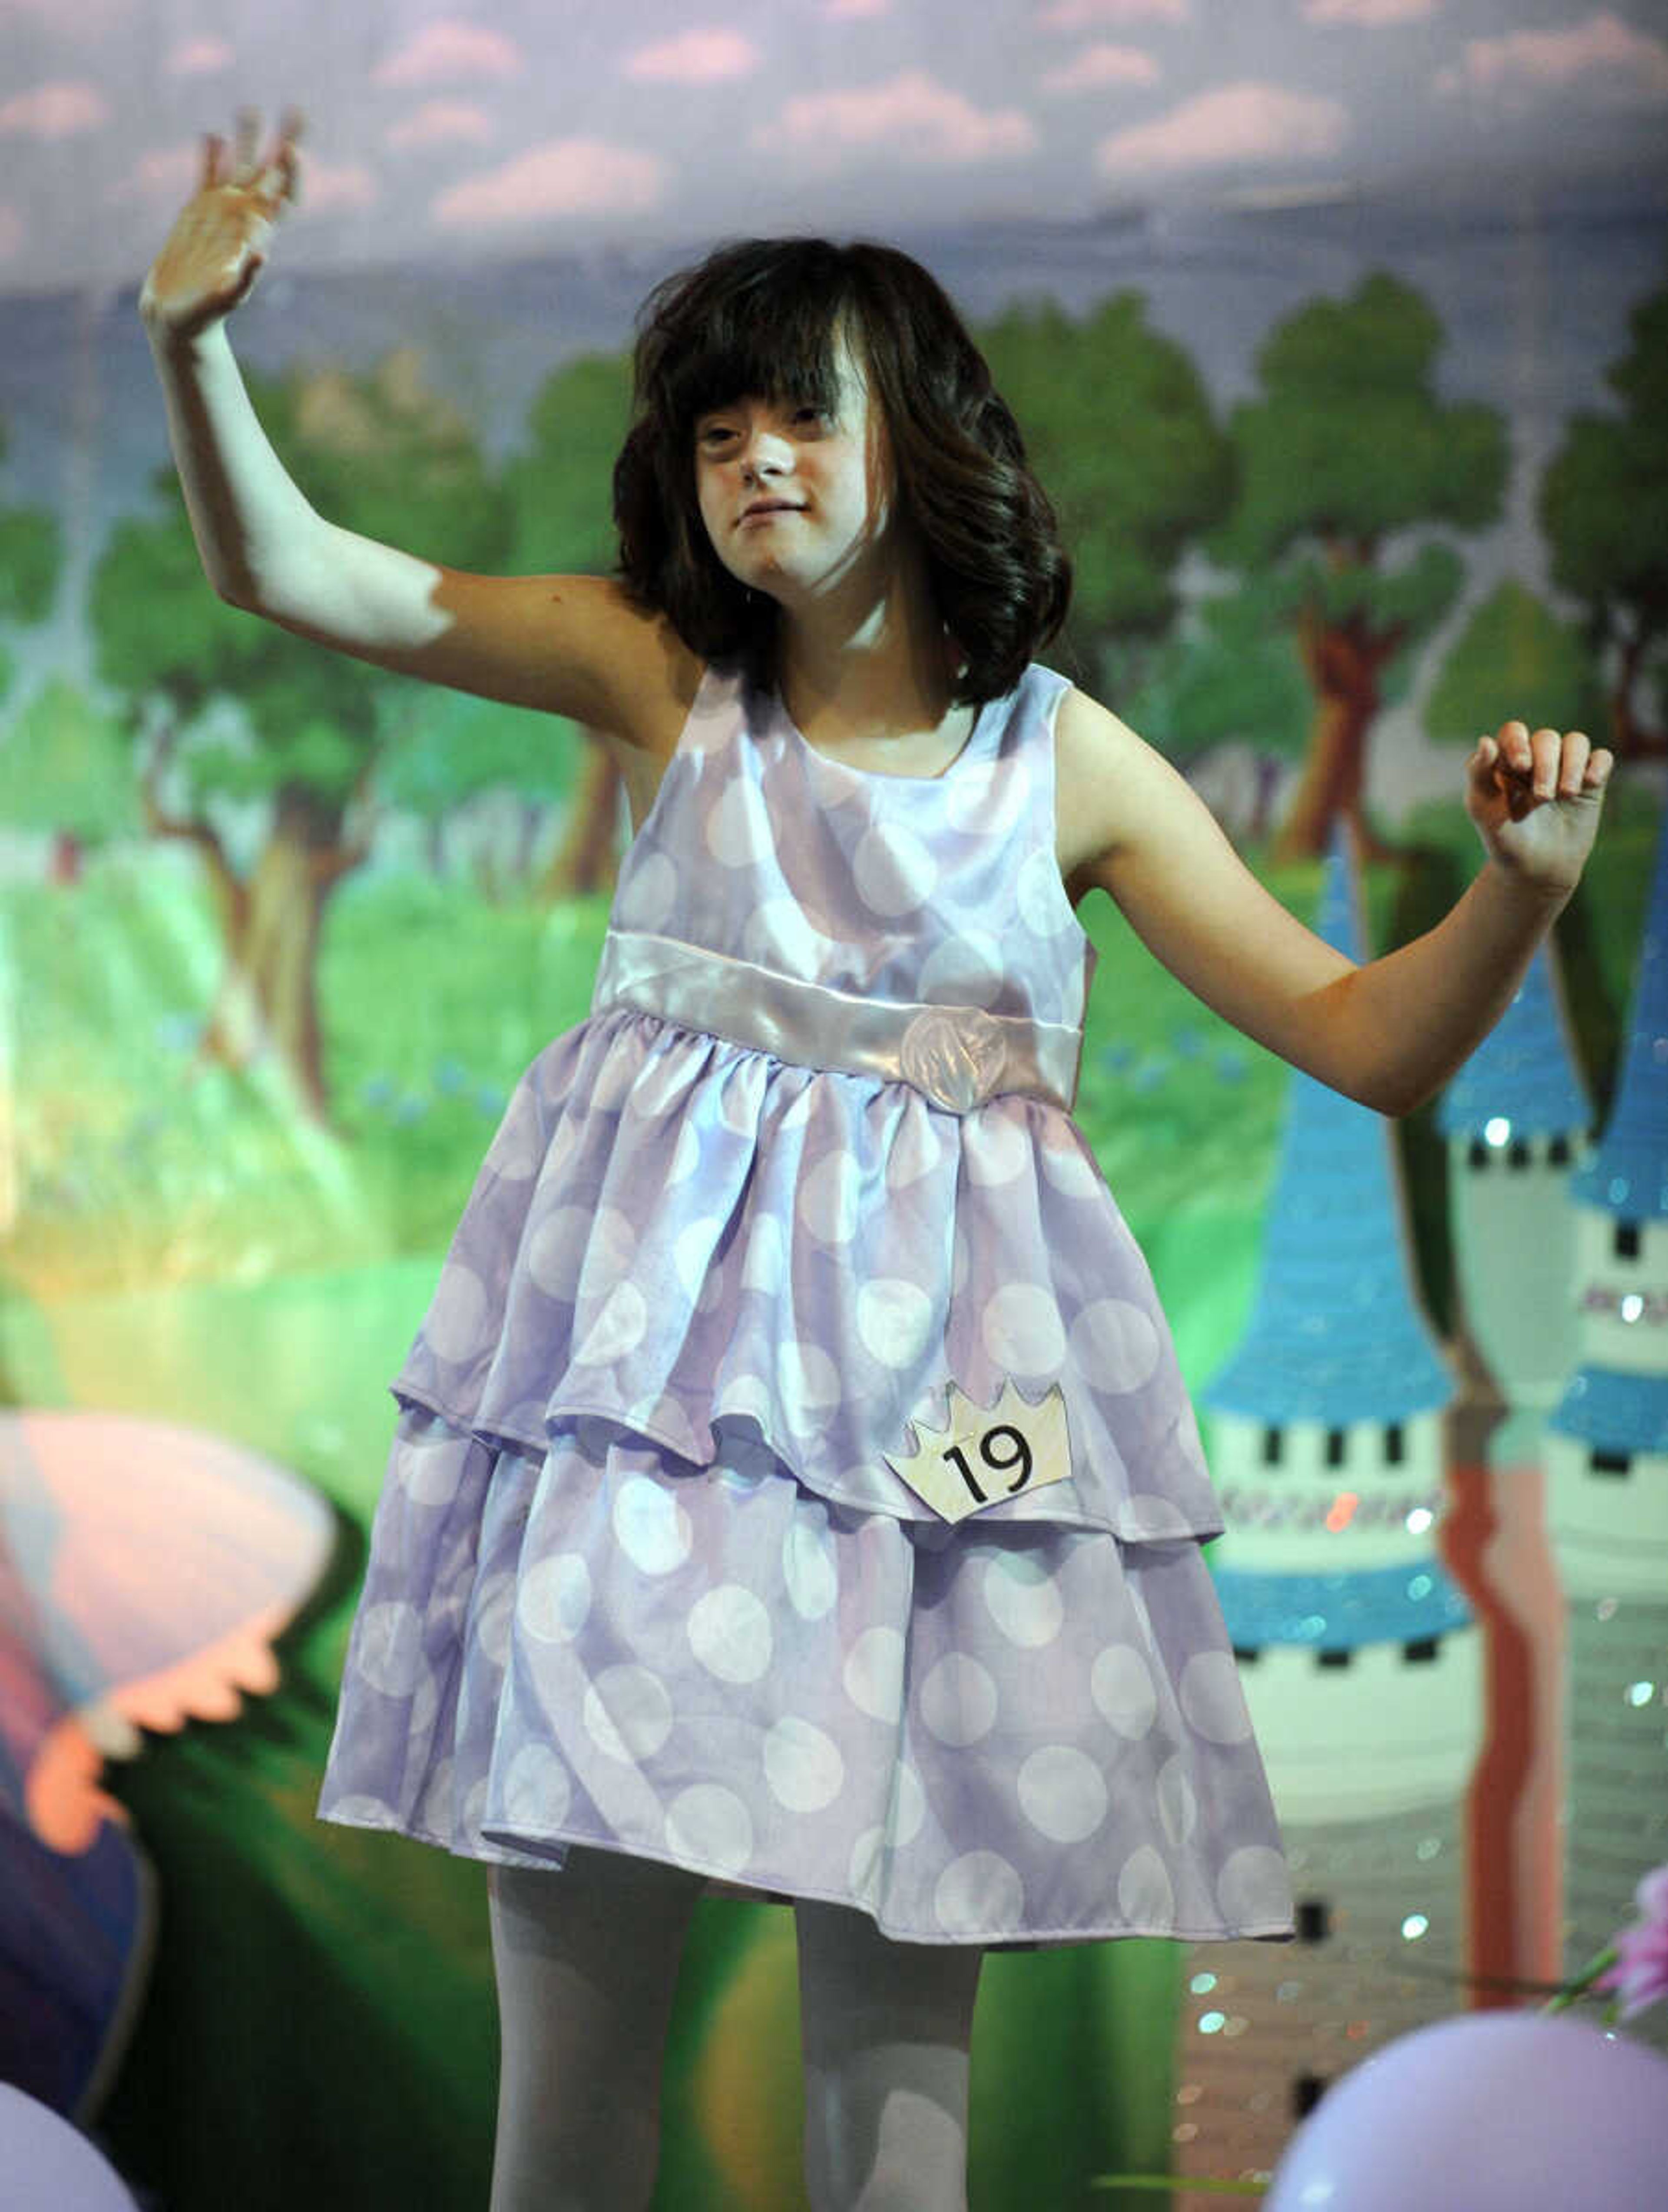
x: 774, y: 336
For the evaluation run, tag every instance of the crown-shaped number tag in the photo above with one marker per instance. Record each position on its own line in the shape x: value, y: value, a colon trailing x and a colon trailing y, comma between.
x: 985, y: 1455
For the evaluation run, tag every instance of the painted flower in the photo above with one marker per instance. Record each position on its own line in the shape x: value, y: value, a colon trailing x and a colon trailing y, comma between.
x: 1639, y: 1976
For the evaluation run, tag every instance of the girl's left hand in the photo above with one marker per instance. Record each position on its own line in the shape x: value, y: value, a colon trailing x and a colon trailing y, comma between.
x: 1535, y: 799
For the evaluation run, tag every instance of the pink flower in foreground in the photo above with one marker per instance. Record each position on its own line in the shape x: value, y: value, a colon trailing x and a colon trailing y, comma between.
x: 1641, y: 1973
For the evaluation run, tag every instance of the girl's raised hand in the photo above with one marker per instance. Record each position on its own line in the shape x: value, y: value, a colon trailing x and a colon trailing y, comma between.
x: 1535, y: 798
x: 218, y: 245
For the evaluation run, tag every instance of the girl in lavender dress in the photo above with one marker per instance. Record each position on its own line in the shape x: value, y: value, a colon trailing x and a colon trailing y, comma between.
x: 794, y: 1492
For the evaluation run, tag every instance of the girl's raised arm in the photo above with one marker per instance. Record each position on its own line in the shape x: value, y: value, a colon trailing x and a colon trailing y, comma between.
x: 571, y: 644
x: 1390, y: 1032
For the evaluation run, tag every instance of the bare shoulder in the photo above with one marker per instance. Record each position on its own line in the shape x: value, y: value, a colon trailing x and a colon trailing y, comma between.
x: 1111, y: 787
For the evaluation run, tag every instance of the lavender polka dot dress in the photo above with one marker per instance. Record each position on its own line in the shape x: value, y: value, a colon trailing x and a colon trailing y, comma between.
x: 793, y: 1479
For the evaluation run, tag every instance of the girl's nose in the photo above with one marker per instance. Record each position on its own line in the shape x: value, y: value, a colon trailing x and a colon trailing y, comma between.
x: 764, y: 453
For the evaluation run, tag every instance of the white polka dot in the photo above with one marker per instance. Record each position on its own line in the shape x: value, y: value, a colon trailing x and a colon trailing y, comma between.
x: 906, y: 1813
x: 958, y: 1700
x: 1045, y: 905
x: 1212, y: 1698
x: 1121, y: 1684
x: 1148, y: 1518
x: 892, y: 1319
x: 490, y: 1615
x: 963, y: 971
x: 429, y: 1467
x: 803, y: 1765
x: 686, y: 1156
x: 747, y: 1398
x: 873, y: 1673
x: 738, y: 828
x: 1062, y: 1794
x: 916, y: 1152
x: 1115, y: 1344
x: 555, y: 1600
x: 627, y: 1713
x: 652, y: 1528
x: 692, y: 1254
x: 1071, y: 1174
x: 557, y: 1248
x: 894, y: 871
x: 388, y: 1650
x: 619, y: 1328
x: 711, y: 1826
x: 1024, y: 1600
x: 779, y: 934
x: 360, y: 1810
x: 739, y: 1097
x: 455, y: 1324
x: 1178, y: 1806
x: 808, y: 1569
x: 761, y: 1270
x: 980, y: 1893
x: 1022, y: 1332
x: 810, y: 1381
x: 538, y: 1790
x: 518, y: 1147
x: 985, y: 801
x: 729, y: 1632
x: 1145, y: 1896
x: 1254, y: 1888
x: 828, y: 1202
x: 650, y: 892
x: 863, y: 1872
x: 994, y: 1150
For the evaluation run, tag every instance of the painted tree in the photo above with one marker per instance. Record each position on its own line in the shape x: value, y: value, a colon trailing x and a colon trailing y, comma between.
x: 225, y: 711
x: 1604, y: 506
x: 1346, y: 455
x: 31, y: 560
x: 64, y: 771
x: 1118, y: 427
x: 1227, y: 675
x: 1515, y: 647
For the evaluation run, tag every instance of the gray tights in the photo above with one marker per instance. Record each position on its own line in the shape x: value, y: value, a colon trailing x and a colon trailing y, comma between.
x: 586, y: 1963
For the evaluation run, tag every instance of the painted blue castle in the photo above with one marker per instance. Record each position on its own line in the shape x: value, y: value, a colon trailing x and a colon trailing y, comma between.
x: 1359, y: 1655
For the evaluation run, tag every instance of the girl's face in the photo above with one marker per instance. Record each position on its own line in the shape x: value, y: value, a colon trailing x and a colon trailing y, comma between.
x: 798, y: 501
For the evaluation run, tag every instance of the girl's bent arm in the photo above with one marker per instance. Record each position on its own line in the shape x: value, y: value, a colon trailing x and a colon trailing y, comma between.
x: 570, y: 645
x: 1388, y: 1033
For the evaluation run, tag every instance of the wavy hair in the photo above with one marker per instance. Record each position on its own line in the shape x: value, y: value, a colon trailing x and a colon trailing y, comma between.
x: 764, y: 318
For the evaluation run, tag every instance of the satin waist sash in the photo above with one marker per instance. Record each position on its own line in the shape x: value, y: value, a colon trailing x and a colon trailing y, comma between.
x: 959, y: 1056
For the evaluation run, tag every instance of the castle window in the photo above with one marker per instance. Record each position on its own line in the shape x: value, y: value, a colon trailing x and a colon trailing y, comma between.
x: 1480, y: 1154
x: 1307, y: 2091
x: 1420, y: 1652
x: 1333, y: 1657
x: 1314, y: 1919
x: 1247, y: 1654
x: 1334, y: 1447
x: 1558, y: 1152
x: 1395, y: 1443
x: 1626, y: 1240
x: 1610, y: 1463
x: 1274, y: 1446
x: 1519, y: 1156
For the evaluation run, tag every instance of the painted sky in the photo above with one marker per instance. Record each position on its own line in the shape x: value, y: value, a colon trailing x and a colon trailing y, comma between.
x: 458, y: 132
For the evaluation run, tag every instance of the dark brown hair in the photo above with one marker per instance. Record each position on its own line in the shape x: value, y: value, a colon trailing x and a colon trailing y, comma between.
x: 763, y: 319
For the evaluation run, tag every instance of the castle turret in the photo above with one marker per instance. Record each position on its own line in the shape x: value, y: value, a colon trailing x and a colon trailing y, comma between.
x: 1360, y: 1658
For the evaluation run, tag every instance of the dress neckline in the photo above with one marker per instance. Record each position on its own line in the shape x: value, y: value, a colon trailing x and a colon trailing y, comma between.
x: 881, y: 774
